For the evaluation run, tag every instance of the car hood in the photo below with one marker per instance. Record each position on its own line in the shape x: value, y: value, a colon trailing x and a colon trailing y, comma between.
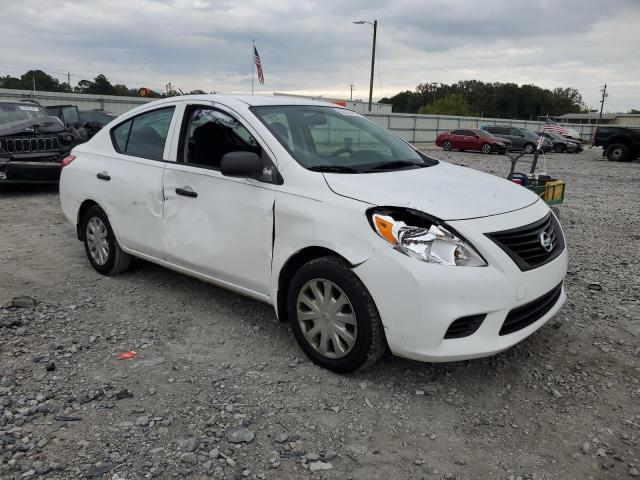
x: 33, y: 125
x: 445, y: 191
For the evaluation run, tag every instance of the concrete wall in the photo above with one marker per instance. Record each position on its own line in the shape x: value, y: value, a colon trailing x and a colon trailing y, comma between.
x: 425, y: 128
x: 109, y: 103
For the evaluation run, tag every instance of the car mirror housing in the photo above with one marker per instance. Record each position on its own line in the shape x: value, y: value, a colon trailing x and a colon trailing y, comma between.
x: 241, y: 164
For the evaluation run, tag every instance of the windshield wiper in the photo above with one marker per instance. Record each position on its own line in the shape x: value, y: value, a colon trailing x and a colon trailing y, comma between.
x: 394, y: 164
x: 333, y: 169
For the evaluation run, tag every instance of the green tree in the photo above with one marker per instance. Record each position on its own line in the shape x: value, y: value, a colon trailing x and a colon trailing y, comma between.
x: 448, y: 105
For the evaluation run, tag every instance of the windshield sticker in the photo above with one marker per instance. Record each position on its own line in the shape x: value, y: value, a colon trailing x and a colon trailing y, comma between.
x: 346, y: 111
x: 28, y: 109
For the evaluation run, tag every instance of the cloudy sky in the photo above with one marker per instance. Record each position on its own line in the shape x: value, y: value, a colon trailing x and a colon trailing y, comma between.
x: 312, y: 47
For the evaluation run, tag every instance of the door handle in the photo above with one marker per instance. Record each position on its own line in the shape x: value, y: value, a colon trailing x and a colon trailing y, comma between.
x: 103, y: 176
x: 186, y: 192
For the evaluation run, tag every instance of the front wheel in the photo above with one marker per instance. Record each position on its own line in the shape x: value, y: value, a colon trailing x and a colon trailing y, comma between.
x: 559, y: 148
x: 103, y: 251
x: 486, y: 148
x: 333, y: 317
x: 529, y: 148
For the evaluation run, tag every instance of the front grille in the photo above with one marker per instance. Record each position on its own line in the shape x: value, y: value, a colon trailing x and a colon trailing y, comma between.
x: 30, y: 144
x: 465, y: 326
x: 523, y: 316
x: 526, y: 245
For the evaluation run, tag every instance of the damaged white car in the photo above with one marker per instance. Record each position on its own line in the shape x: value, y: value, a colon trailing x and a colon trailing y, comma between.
x: 357, y: 239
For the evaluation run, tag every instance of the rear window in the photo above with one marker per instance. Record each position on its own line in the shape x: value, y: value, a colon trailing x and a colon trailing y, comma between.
x: 144, y: 135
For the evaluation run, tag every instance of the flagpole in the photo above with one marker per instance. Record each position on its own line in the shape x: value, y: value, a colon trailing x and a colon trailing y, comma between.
x: 252, y: 62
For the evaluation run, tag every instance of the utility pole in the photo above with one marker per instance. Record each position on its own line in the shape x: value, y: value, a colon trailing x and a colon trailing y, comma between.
x: 373, y: 61
x: 351, y: 89
x: 604, y: 95
x: 69, y: 79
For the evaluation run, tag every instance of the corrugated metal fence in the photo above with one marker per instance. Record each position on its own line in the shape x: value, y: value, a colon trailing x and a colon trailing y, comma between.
x: 109, y: 103
x: 425, y: 128
x: 412, y: 127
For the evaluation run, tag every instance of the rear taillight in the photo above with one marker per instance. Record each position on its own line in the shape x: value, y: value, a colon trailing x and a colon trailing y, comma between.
x: 66, y: 161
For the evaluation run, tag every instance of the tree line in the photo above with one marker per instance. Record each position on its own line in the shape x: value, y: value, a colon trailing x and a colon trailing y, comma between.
x: 100, y: 85
x: 497, y: 100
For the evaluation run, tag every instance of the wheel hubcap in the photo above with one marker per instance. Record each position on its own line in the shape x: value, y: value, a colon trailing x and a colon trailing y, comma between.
x: 617, y: 153
x: 326, y: 318
x: 486, y: 148
x: 97, y: 240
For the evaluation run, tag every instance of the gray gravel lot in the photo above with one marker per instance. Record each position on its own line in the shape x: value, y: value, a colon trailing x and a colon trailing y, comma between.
x: 219, y: 389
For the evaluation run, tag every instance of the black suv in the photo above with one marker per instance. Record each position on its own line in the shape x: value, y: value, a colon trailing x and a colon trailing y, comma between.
x: 32, y: 143
x: 619, y: 144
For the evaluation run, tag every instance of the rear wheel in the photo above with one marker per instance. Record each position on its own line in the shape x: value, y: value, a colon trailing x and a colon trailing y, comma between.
x: 486, y: 148
x: 618, y: 152
x: 559, y: 148
x: 333, y: 317
x: 529, y: 147
x: 103, y: 251
x: 446, y: 145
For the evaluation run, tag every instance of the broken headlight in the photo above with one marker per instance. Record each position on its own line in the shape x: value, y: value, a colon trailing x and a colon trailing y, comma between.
x: 423, y: 238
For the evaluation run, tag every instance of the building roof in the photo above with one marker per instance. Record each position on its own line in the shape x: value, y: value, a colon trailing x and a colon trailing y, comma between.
x: 588, y: 116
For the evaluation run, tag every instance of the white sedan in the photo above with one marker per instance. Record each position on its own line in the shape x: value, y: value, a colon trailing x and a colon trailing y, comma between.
x: 357, y: 239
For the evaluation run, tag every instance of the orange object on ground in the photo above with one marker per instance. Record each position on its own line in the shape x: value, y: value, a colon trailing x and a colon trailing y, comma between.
x: 127, y: 355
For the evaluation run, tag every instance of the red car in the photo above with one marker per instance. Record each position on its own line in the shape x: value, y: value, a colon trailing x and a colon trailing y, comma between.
x: 472, y: 139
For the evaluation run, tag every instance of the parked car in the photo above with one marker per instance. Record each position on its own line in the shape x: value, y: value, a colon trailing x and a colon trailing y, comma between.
x: 519, y: 137
x: 356, y: 238
x: 32, y: 143
x: 619, y: 144
x: 472, y: 139
x: 562, y: 144
x: 93, y: 120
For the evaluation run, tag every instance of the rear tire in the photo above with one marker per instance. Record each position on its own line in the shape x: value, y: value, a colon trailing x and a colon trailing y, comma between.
x: 334, y: 281
x: 446, y: 146
x: 618, y: 152
x: 100, y: 244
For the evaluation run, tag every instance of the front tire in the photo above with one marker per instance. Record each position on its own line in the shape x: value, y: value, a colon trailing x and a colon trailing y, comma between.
x: 100, y: 244
x: 559, y: 148
x: 333, y: 316
x: 486, y: 148
x: 529, y: 147
x: 618, y: 152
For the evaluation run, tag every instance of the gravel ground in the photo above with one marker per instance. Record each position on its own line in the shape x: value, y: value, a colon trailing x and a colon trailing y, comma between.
x: 219, y: 389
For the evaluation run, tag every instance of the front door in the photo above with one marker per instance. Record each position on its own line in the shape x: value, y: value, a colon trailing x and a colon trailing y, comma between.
x: 216, y: 225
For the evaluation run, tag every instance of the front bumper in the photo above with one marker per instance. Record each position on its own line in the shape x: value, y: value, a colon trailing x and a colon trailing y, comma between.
x: 30, y: 171
x: 418, y: 301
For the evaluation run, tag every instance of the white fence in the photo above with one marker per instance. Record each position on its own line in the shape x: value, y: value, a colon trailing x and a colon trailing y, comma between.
x: 425, y: 128
x: 110, y: 103
x: 412, y: 127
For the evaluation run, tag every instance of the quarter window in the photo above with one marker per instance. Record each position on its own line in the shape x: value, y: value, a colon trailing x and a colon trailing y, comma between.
x: 144, y: 135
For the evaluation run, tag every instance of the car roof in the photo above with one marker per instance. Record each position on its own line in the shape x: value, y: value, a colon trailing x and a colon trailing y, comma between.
x: 251, y: 100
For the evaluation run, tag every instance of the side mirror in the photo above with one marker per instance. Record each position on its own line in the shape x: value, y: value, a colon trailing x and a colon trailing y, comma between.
x: 241, y: 164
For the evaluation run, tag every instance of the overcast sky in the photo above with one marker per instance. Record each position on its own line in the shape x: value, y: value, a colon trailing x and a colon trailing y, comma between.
x: 312, y: 47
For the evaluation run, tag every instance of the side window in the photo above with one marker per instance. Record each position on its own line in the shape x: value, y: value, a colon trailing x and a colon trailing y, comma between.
x: 457, y: 132
x: 515, y: 132
x: 211, y: 134
x: 144, y: 135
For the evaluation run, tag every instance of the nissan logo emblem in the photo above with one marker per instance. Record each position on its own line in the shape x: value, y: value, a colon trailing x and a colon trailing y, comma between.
x: 545, y: 241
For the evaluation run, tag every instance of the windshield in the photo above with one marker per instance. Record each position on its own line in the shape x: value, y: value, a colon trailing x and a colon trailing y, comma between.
x: 13, y: 112
x: 338, y: 140
x: 483, y: 133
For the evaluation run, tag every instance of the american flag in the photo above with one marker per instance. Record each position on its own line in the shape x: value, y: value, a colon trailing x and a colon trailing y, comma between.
x: 256, y: 60
x: 549, y: 126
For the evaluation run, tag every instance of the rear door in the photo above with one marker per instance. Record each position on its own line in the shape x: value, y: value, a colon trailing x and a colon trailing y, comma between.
x: 130, y: 180
x: 216, y: 225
